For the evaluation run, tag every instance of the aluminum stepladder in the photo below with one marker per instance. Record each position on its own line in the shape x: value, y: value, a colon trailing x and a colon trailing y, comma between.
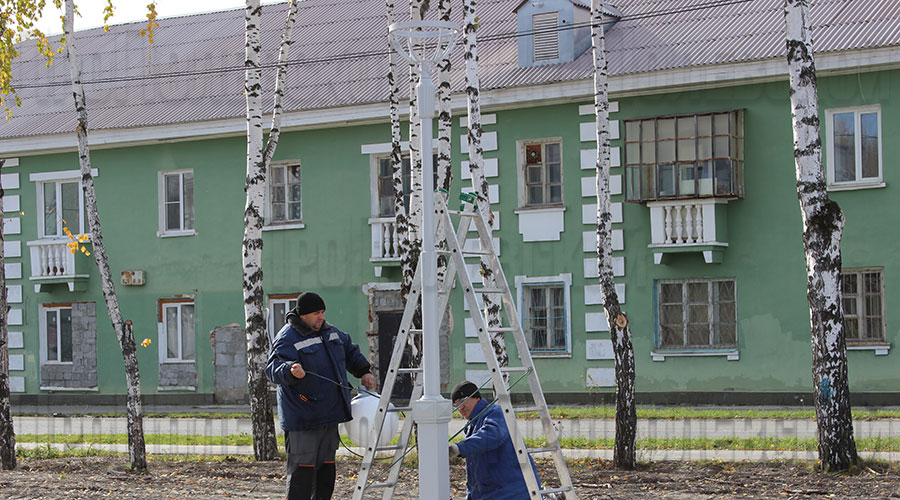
x: 456, y: 269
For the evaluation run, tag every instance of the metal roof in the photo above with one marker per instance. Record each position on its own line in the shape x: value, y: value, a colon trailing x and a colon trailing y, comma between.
x: 194, y: 70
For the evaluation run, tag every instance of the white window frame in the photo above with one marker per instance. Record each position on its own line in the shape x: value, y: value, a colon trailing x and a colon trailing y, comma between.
x: 163, y: 232
x: 729, y: 351
x: 60, y: 177
x: 288, y: 224
x: 270, y: 312
x: 42, y: 325
x: 859, y: 183
x: 521, y: 147
x: 564, y: 279
x: 164, y: 304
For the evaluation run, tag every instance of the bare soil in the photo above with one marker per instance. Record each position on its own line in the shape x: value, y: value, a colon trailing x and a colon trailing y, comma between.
x: 108, y: 477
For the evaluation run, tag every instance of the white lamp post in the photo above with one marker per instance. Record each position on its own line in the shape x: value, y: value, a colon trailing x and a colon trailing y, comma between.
x: 424, y: 44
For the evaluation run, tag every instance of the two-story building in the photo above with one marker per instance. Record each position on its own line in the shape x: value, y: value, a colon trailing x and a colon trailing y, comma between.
x: 708, y: 255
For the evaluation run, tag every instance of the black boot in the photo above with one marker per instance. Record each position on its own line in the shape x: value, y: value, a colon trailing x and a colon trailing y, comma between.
x: 325, y: 481
x: 300, y: 483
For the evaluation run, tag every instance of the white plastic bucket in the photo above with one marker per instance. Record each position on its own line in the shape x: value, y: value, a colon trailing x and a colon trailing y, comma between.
x: 364, y: 408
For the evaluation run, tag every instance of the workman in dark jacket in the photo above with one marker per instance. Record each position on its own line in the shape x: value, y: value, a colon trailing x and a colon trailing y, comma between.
x: 309, y: 361
x: 492, y: 469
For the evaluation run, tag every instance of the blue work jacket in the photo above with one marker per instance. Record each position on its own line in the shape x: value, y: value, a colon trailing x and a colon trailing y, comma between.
x: 492, y: 469
x: 313, y: 402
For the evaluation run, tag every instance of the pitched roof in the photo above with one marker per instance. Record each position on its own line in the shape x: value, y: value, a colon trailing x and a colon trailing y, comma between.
x: 194, y: 72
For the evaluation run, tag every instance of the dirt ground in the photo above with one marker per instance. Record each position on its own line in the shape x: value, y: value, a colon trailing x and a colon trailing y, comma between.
x: 107, y: 477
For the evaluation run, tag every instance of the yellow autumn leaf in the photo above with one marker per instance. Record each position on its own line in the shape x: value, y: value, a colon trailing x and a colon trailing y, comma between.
x: 146, y: 342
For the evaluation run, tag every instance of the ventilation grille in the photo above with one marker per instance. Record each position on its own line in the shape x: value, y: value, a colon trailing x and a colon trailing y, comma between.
x: 546, y: 38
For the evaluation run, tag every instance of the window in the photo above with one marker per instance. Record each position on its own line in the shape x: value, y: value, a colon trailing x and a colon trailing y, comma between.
x: 385, y: 184
x: 546, y: 37
x: 685, y: 156
x: 697, y: 314
x: 863, y: 296
x: 284, y: 194
x: 176, y: 330
x: 853, y: 146
x: 63, y: 207
x: 56, y: 333
x: 279, y: 306
x: 544, y: 305
x: 542, y: 174
x: 176, y: 208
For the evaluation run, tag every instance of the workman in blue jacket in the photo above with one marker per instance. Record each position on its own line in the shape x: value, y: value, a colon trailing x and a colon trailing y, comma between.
x: 492, y: 469
x: 309, y: 361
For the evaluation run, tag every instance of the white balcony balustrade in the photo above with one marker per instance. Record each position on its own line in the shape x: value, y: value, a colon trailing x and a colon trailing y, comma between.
x: 385, y: 243
x: 53, y: 262
x: 696, y: 225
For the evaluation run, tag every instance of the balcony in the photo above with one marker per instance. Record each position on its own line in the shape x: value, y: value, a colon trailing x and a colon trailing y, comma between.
x: 53, y: 263
x: 696, y: 225
x: 385, y: 243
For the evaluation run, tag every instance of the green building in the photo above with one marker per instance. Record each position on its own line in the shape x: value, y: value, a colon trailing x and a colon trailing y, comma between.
x: 706, y: 223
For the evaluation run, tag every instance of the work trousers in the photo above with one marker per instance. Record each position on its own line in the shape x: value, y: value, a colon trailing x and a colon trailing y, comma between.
x: 310, y: 462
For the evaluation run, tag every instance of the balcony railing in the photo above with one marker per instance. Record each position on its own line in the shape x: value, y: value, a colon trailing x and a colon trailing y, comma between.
x: 696, y: 225
x: 385, y: 243
x: 53, y: 262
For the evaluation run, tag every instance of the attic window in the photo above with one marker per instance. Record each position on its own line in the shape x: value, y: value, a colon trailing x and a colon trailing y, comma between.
x: 546, y: 38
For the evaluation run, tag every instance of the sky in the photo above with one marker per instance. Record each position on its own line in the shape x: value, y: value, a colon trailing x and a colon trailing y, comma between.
x: 132, y: 10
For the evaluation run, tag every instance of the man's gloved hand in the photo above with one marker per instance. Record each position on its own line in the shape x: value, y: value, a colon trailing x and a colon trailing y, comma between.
x: 454, y: 450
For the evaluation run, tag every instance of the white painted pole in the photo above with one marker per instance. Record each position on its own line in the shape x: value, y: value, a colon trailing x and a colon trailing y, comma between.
x: 431, y: 412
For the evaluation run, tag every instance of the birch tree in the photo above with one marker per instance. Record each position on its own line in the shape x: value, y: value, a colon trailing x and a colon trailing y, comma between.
x: 823, y: 223
x: 7, y: 432
x: 619, y: 329
x: 443, y: 165
x: 124, y: 331
x: 401, y: 240
x: 476, y: 168
x: 265, y: 446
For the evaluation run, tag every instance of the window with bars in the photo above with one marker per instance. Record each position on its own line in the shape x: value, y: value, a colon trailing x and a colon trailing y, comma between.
x: 853, y: 140
x: 545, y: 36
x: 284, y: 194
x: 545, y: 315
x: 176, y: 210
x: 177, y: 340
x: 688, y: 156
x: 385, y: 184
x: 542, y: 174
x: 697, y: 314
x: 863, y: 300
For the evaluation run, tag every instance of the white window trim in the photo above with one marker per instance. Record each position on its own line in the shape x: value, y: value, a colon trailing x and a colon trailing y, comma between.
x: 40, y: 179
x: 566, y: 280
x: 42, y: 329
x: 163, y: 337
x: 268, y: 225
x: 161, y: 206
x: 520, y: 173
x: 869, y: 183
x: 732, y: 353
x: 270, y: 314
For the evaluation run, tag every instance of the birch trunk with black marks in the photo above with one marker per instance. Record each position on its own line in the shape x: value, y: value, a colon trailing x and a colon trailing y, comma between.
x: 619, y: 329
x: 7, y: 432
x: 401, y: 227
x: 265, y: 446
x: 823, y: 223
x: 124, y: 332
x: 445, y: 123
x: 479, y: 182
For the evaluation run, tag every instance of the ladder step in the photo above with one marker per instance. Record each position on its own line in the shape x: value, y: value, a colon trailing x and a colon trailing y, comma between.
x: 523, y: 409
x: 505, y: 329
x: 467, y: 253
x: 512, y: 369
x: 398, y: 409
x: 549, y: 449
x: 550, y: 491
x: 488, y: 290
x: 462, y: 213
x: 382, y: 485
x: 415, y: 331
x: 389, y: 448
x: 409, y: 370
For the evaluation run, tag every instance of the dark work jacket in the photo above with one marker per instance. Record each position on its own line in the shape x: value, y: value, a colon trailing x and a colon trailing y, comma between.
x: 492, y: 469
x: 312, y: 402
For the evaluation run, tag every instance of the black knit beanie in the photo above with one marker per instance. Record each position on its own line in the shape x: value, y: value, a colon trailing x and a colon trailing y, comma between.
x: 464, y: 390
x: 309, y: 302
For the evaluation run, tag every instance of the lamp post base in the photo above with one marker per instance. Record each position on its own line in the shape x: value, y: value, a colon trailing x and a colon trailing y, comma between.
x: 432, y: 415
